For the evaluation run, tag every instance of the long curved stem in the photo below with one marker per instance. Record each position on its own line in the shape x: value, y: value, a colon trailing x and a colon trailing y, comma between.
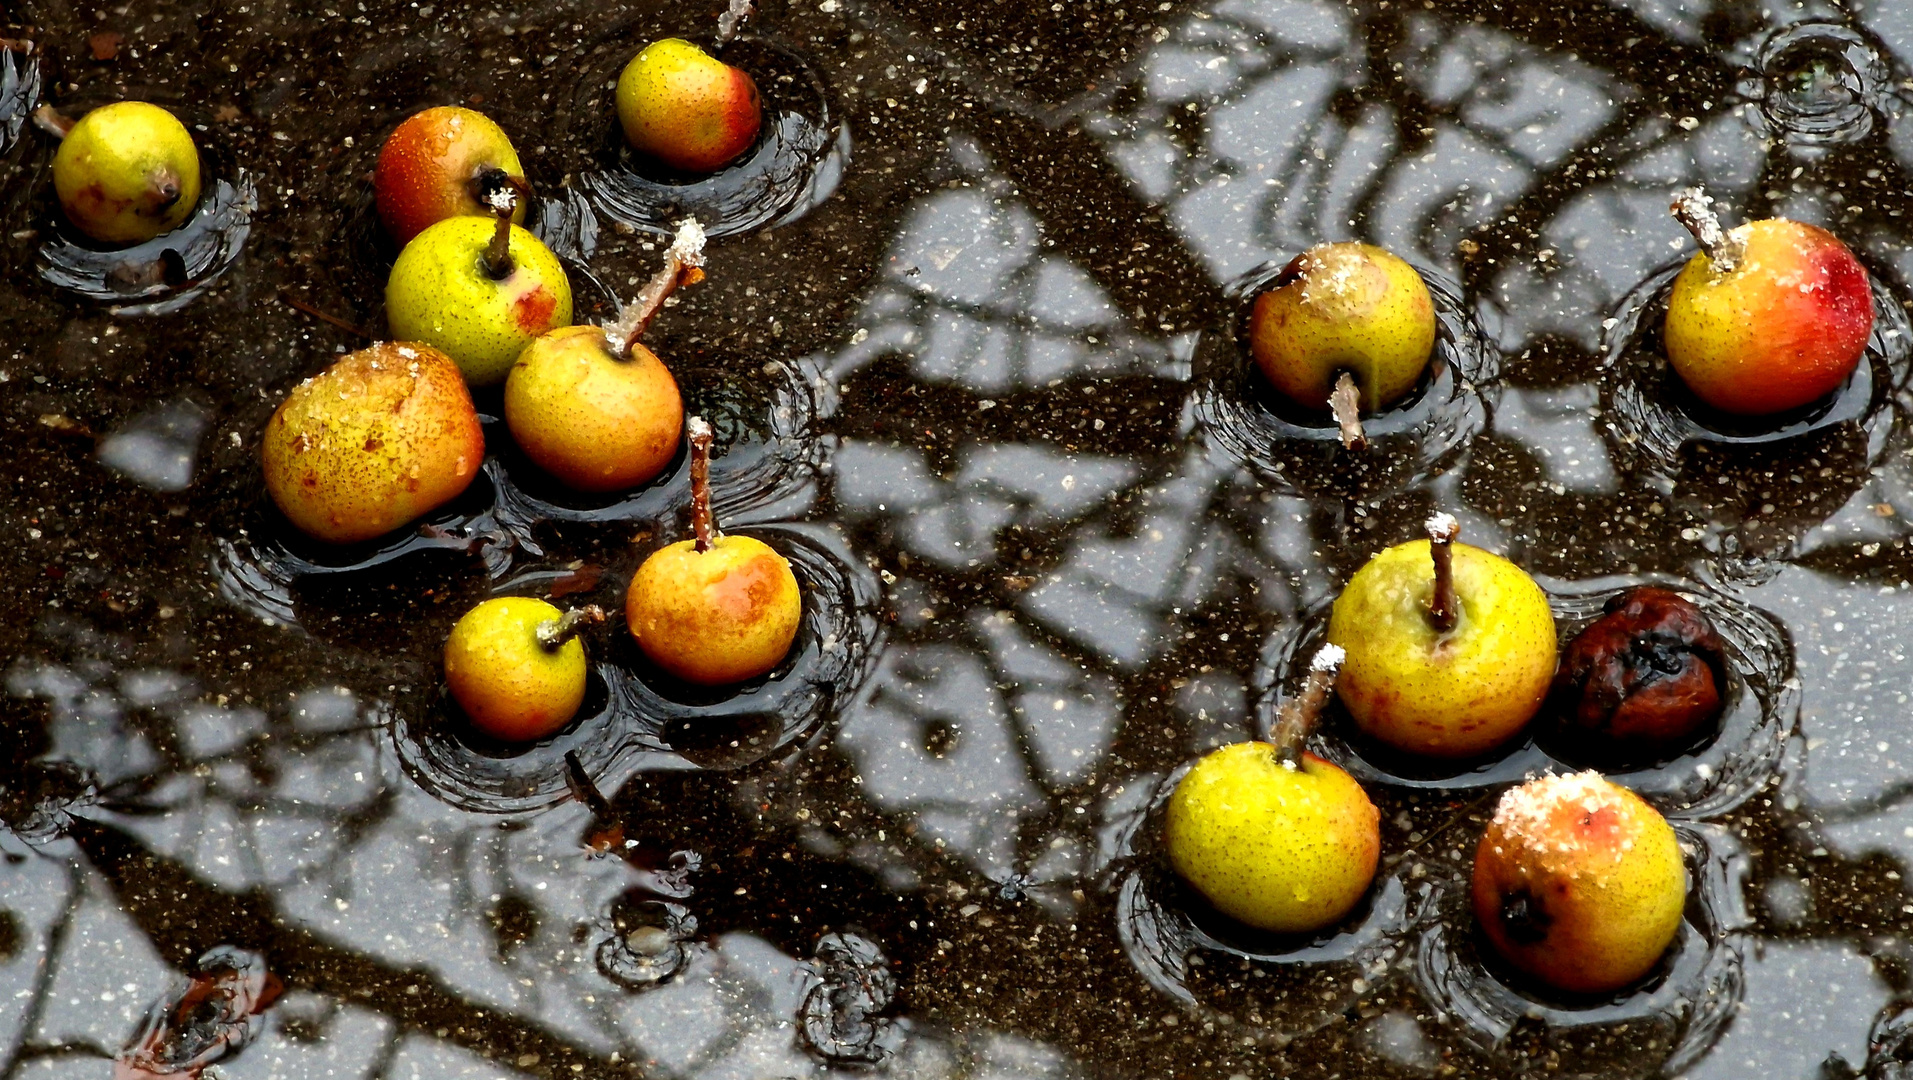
x: 1302, y: 712
x: 702, y: 527
x: 683, y: 265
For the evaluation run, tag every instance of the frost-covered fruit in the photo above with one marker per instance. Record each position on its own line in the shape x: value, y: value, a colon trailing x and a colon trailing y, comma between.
x: 431, y: 165
x: 1579, y: 883
x: 511, y: 684
x: 126, y: 173
x: 686, y: 108
x: 1344, y: 307
x: 380, y: 438
x: 1279, y: 847
x: 441, y: 293
x: 594, y: 420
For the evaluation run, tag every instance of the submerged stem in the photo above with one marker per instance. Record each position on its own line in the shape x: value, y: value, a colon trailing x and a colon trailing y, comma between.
x: 1345, y: 403
x: 683, y: 265
x: 1693, y: 208
x: 50, y: 121
x: 1443, y: 608
x: 702, y: 526
x: 1302, y: 712
x: 554, y: 633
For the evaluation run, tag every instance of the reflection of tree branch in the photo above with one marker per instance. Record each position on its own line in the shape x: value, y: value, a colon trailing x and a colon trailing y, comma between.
x: 184, y: 917
x: 43, y: 981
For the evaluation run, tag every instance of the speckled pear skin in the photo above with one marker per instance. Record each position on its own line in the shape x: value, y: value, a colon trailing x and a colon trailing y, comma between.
x: 686, y: 108
x: 1347, y: 306
x: 1579, y: 883
x: 509, y: 685
x: 1783, y: 330
x: 126, y: 173
x: 427, y: 164
x: 594, y: 421
x: 380, y: 438
x: 439, y: 293
x: 715, y: 617
x: 1286, y: 850
x: 1444, y: 695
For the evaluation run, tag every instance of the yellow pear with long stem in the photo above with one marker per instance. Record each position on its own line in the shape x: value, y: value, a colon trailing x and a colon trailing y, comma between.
x: 1271, y: 835
x: 1451, y: 649
x: 713, y: 610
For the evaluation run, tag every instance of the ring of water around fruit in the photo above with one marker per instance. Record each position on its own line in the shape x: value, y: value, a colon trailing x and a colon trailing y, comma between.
x: 765, y: 433
x: 167, y: 272
x: 735, y: 726
x: 1660, y: 1026
x: 1200, y: 957
x: 1820, y: 83
x: 1759, y: 709
x: 794, y: 165
x: 1655, y: 416
x: 1298, y: 452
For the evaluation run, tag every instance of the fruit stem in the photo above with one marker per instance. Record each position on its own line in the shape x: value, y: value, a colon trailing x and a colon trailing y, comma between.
x: 1443, y: 609
x: 701, y: 525
x: 733, y: 17
x: 683, y: 265
x: 1300, y: 713
x: 51, y: 122
x: 554, y: 633
x: 582, y: 789
x: 1693, y: 208
x: 1345, y: 403
x: 502, y: 192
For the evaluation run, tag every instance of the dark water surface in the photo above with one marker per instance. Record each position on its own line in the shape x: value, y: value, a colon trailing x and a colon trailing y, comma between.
x: 970, y: 347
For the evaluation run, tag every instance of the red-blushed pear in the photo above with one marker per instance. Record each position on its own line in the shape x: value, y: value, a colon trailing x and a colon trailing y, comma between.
x: 1345, y: 327
x: 591, y: 405
x: 516, y: 666
x: 380, y: 438
x: 480, y: 289
x: 125, y: 172
x: 1450, y: 648
x: 1770, y: 316
x: 1271, y: 835
x: 686, y: 108
x: 713, y: 610
x: 1579, y: 883
x: 442, y: 162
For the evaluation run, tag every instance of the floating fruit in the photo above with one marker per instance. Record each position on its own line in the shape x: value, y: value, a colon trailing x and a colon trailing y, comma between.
x: 127, y: 172
x: 1770, y: 316
x: 686, y: 108
x: 1450, y: 648
x: 1579, y: 883
x: 516, y: 666
x: 717, y: 609
x: 1348, y: 317
x: 442, y: 162
x: 1270, y: 835
x: 380, y: 438
x: 1645, y: 677
x: 592, y: 406
x: 480, y: 289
